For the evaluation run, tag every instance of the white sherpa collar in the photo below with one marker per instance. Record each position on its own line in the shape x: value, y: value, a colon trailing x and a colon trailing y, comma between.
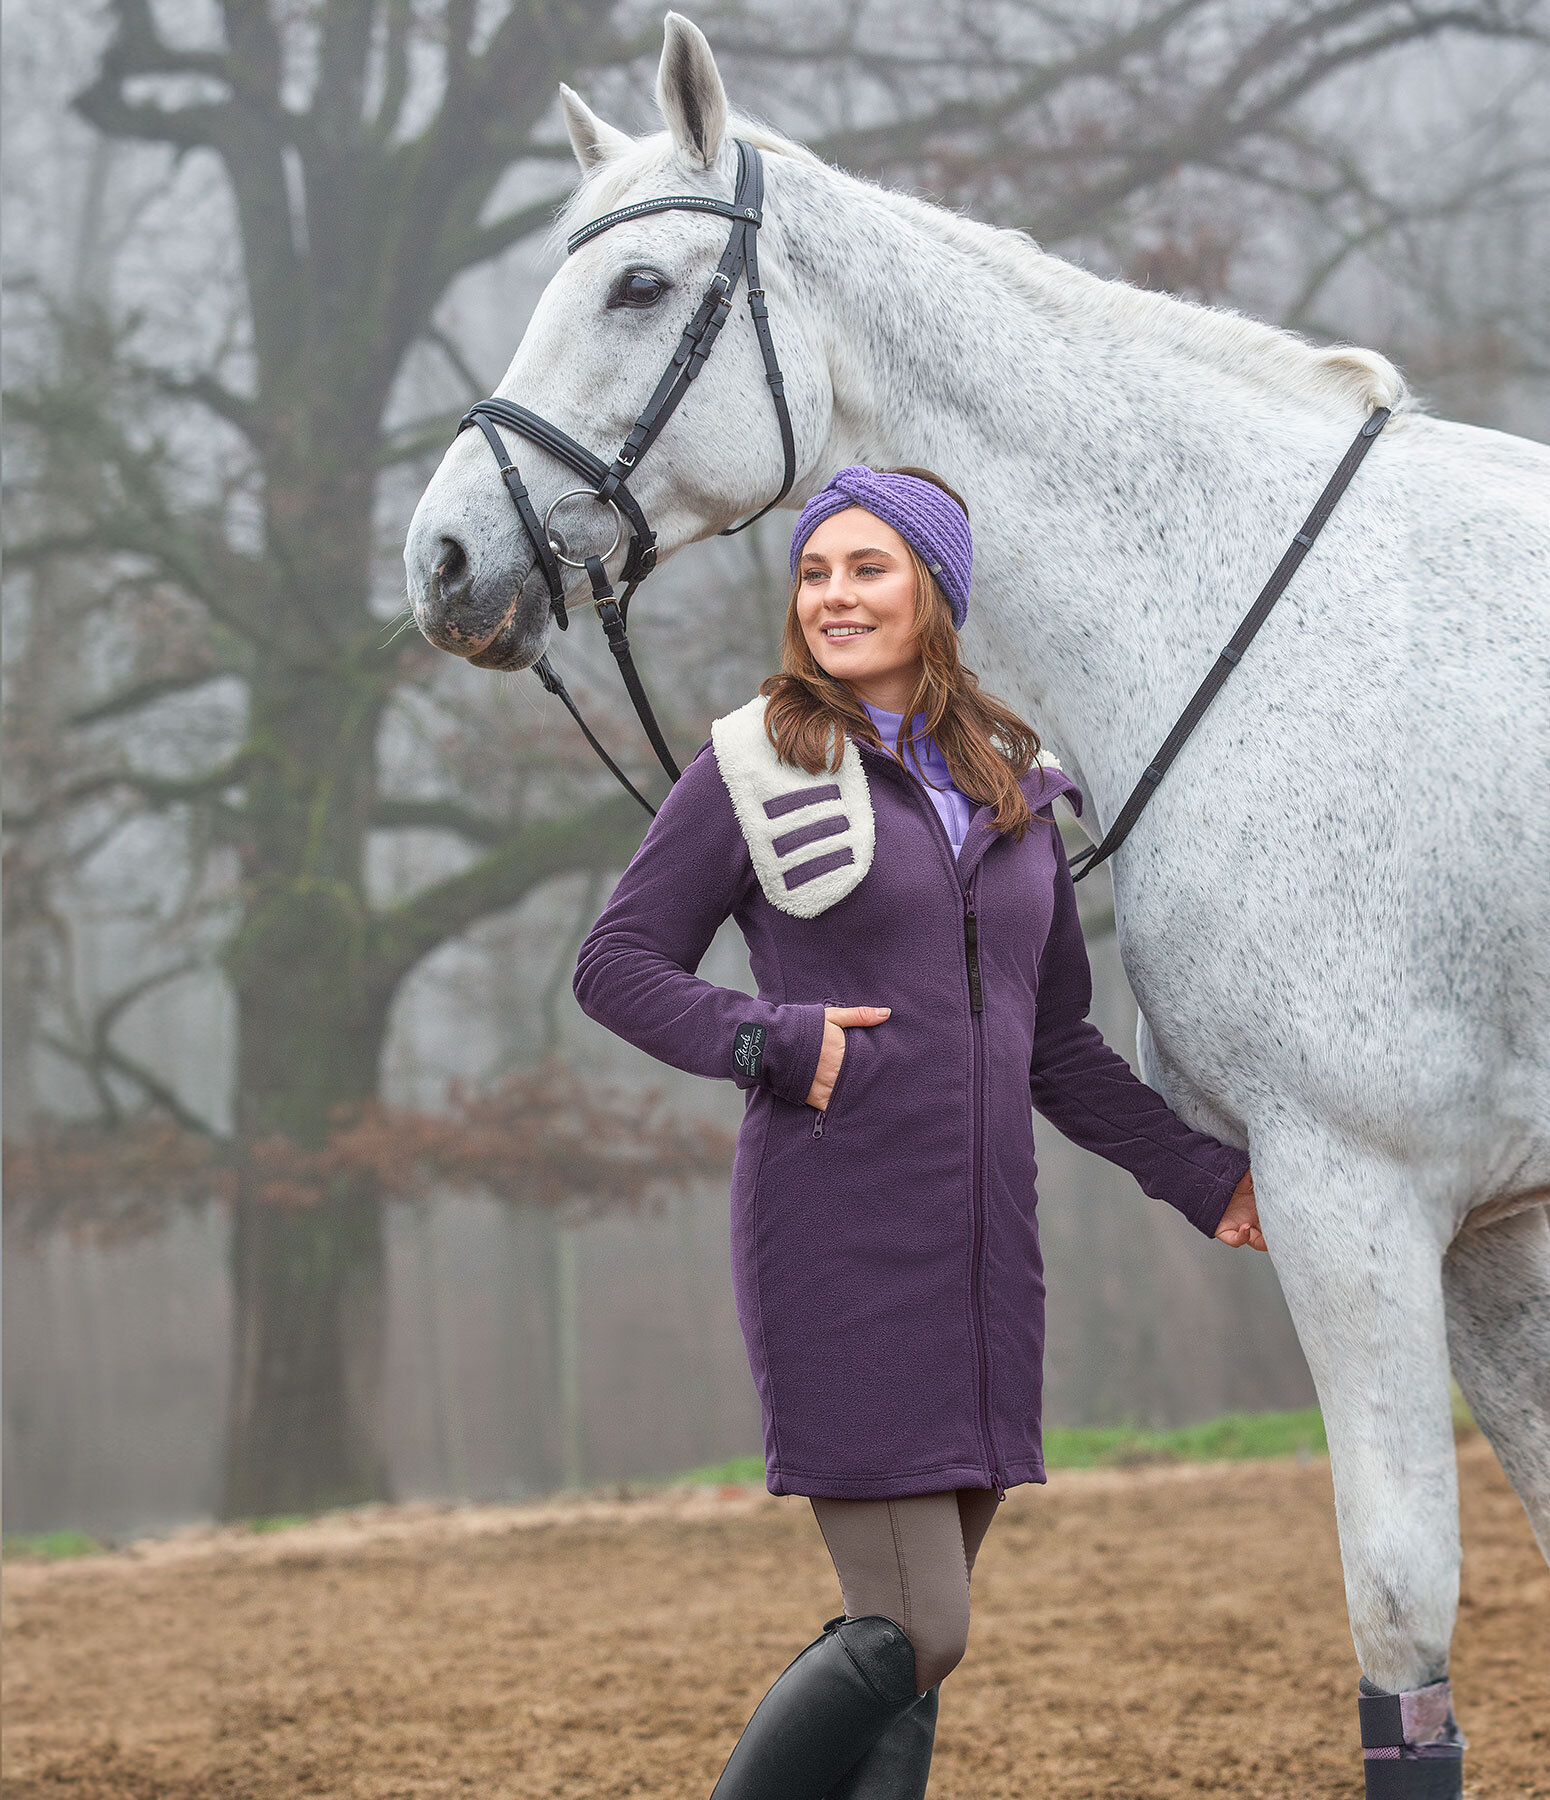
x: 810, y: 836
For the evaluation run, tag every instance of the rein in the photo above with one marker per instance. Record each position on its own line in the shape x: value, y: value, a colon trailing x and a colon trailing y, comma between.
x: 1232, y: 651
x: 608, y: 484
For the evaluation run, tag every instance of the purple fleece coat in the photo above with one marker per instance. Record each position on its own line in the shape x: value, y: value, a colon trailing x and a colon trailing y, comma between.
x: 885, y: 1252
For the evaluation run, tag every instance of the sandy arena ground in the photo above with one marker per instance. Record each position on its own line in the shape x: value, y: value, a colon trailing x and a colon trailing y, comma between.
x: 1155, y: 1633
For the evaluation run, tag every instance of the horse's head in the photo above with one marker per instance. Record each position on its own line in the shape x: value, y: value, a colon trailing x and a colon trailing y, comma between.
x: 604, y: 330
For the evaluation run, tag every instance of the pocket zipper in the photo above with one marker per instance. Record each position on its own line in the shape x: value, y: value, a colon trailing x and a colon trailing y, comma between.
x: 829, y: 1000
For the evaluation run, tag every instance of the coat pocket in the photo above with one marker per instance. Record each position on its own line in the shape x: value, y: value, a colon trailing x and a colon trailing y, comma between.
x: 826, y: 1114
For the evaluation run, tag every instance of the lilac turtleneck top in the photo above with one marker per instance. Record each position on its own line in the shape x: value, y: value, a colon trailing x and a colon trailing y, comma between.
x: 954, y: 808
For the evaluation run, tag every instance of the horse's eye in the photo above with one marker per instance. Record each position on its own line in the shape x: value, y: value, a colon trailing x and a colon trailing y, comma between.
x: 639, y: 287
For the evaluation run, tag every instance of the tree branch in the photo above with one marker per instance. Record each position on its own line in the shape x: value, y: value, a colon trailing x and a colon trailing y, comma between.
x: 1292, y: 54
x: 210, y: 392
x: 480, y: 243
x: 338, y: 105
x: 395, y: 84
x: 254, y: 39
x: 103, y: 1055
x: 868, y: 147
x: 235, y: 588
x: 438, y: 815
x: 158, y: 791
x: 249, y: 133
x: 1220, y: 118
x: 427, y: 435
x: 604, y: 837
x: 137, y: 48
x: 145, y: 693
x: 433, y: 334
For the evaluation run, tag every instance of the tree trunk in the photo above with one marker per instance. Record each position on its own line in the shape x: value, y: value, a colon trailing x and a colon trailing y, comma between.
x: 308, y: 1272
x: 308, y: 1276
x: 308, y: 1333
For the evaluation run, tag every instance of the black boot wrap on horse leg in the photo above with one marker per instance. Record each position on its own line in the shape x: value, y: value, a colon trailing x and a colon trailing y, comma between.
x: 826, y: 1709
x: 1412, y: 1748
x: 898, y: 1765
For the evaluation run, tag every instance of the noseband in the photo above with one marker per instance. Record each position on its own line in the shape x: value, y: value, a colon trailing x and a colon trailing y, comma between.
x: 607, y: 482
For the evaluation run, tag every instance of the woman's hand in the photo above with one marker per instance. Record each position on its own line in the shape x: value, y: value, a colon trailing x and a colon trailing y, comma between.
x: 835, y: 1018
x: 1240, y: 1222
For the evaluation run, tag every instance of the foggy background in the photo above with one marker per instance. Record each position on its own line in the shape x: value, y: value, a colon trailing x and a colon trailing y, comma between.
x: 319, y: 1186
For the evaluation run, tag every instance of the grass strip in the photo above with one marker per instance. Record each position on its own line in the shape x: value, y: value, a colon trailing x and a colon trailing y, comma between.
x: 50, y: 1546
x: 1231, y: 1438
x: 1235, y: 1437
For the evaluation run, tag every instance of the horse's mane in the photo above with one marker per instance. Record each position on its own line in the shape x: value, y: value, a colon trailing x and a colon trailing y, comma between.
x: 1267, y: 355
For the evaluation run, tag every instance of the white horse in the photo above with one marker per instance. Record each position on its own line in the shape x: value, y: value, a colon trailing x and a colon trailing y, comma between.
x: 1335, y: 912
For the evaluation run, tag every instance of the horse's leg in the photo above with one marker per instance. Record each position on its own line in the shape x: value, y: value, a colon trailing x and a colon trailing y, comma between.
x: 1361, y: 1269
x: 1496, y: 1280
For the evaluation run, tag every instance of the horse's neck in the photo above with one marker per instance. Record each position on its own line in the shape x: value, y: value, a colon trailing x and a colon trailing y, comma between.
x: 1128, y: 500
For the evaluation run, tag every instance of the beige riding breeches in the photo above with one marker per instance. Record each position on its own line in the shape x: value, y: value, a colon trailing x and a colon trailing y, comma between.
x: 910, y: 1560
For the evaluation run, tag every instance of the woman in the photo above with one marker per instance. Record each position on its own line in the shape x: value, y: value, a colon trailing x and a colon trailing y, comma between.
x: 923, y: 984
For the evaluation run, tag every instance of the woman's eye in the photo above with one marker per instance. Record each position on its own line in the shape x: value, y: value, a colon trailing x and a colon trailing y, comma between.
x: 639, y: 287
x: 869, y: 569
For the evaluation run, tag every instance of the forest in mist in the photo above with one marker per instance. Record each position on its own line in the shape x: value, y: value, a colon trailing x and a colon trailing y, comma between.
x: 319, y: 1187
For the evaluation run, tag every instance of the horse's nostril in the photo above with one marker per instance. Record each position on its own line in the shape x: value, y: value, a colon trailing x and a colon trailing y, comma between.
x: 452, y: 570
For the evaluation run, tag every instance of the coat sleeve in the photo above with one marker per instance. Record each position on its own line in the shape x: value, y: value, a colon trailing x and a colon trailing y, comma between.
x: 1092, y: 1094
x: 635, y: 972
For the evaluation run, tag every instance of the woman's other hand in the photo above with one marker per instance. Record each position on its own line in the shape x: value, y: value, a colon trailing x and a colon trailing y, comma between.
x: 835, y: 1019
x: 1240, y: 1222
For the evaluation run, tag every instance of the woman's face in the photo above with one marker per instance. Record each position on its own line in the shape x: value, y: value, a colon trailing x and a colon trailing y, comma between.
x: 856, y: 605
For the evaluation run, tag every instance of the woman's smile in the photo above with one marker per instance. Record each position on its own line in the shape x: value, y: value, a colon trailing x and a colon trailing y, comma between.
x: 853, y: 560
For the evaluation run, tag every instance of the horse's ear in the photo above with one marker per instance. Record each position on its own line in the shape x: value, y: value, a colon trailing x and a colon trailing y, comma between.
x: 689, y: 91
x: 593, y: 139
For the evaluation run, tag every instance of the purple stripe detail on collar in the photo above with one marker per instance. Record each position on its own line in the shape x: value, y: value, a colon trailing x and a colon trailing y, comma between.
x: 820, y: 865
x: 784, y: 803
x: 806, y: 834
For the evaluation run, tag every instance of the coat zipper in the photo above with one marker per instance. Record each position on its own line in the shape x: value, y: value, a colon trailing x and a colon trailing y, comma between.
x: 976, y: 1029
x: 971, y: 951
x: 976, y: 1010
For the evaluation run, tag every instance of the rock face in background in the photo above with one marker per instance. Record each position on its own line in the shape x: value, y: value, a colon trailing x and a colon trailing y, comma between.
x: 523, y: 1357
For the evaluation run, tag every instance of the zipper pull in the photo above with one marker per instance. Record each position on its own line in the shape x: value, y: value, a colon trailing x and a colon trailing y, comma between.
x: 1000, y: 1491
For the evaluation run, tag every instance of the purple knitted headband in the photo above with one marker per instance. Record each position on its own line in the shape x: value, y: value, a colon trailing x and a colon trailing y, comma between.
x: 927, y: 519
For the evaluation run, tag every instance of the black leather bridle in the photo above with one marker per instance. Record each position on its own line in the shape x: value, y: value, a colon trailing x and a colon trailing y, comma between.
x: 608, y: 483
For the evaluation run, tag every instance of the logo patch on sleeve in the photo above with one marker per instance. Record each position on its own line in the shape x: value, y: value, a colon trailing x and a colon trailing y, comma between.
x: 748, y: 1050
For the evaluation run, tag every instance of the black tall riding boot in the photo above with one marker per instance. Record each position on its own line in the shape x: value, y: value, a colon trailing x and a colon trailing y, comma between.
x: 898, y: 1765
x: 826, y: 1709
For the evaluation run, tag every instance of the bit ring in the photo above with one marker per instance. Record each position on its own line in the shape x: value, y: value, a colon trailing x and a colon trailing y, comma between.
x: 588, y: 494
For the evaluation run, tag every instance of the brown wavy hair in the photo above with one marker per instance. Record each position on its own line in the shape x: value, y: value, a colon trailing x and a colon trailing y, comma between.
x: 986, y: 746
